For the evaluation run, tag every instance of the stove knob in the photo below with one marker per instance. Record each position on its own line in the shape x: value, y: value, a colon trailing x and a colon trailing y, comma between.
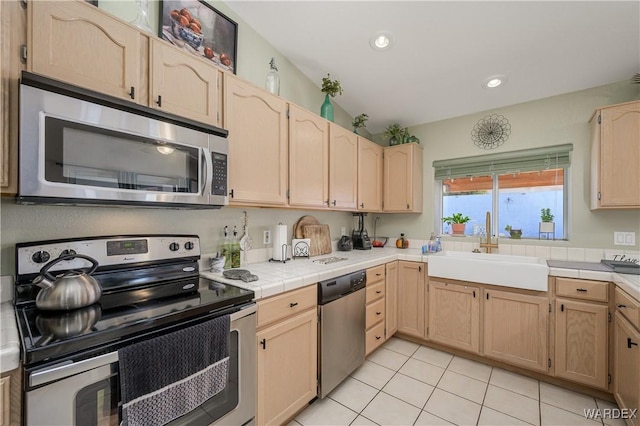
x: 67, y: 252
x: 188, y: 245
x: 41, y: 256
x: 174, y: 246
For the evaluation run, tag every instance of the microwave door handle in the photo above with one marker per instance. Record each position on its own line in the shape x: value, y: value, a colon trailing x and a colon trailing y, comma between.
x: 207, y: 171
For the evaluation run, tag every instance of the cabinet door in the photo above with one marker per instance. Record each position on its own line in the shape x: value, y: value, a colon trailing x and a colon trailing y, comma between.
x: 287, y: 367
x: 391, y: 295
x: 402, y: 183
x: 581, y: 342
x: 516, y: 329
x: 411, y: 298
x: 454, y: 315
x: 343, y: 167
x: 183, y: 84
x: 620, y: 150
x: 13, y: 34
x: 369, y: 176
x: 626, y: 366
x: 615, y: 148
x: 308, y: 159
x: 75, y: 42
x: 257, y: 124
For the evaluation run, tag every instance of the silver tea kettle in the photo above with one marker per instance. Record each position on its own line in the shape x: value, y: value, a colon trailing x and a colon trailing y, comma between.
x: 70, y: 290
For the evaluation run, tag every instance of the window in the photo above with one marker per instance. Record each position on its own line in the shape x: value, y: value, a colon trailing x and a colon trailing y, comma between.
x: 513, y: 186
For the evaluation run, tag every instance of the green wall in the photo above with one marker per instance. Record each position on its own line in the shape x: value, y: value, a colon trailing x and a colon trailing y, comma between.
x: 551, y: 121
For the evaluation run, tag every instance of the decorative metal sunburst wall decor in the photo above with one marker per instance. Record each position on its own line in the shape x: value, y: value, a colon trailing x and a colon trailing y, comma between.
x: 491, y: 132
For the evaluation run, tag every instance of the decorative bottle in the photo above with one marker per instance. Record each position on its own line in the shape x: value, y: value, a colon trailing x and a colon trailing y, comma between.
x: 141, y: 20
x: 402, y: 242
x: 273, y: 79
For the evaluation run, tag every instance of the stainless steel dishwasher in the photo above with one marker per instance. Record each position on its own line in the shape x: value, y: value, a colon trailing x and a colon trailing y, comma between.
x: 341, y: 340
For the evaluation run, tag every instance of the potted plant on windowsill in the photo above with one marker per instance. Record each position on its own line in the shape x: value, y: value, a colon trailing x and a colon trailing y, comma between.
x: 457, y: 222
x: 546, y: 221
x: 514, y: 233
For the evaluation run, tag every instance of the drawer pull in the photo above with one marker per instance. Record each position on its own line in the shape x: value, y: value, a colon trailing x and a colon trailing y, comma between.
x: 581, y: 289
x: 378, y: 291
x: 378, y: 274
x: 620, y: 305
x: 380, y: 337
x: 159, y: 101
x: 132, y: 92
x: 630, y: 343
x: 378, y: 313
x: 293, y: 305
x: 263, y: 342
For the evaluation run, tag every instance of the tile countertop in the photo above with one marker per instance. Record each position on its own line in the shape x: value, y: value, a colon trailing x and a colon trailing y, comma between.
x: 276, y: 277
x: 9, y: 339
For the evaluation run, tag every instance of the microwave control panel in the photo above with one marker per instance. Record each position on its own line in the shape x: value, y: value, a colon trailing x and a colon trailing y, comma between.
x: 219, y: 179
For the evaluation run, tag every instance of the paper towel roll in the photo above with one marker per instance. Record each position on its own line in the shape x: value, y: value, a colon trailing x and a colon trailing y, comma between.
x: 280, y: 242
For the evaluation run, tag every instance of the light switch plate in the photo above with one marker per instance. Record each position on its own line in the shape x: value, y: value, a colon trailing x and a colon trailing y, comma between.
x: 624, y: 238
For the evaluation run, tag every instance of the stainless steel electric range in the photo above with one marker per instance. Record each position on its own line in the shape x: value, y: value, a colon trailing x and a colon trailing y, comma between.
x: 150, y: 286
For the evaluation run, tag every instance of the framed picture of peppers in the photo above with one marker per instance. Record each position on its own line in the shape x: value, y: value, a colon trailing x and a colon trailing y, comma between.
x: 195, y: 26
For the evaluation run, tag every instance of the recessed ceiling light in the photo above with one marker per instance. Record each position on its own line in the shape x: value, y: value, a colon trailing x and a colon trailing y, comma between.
x: 494, y: 81
x: 380, y: 40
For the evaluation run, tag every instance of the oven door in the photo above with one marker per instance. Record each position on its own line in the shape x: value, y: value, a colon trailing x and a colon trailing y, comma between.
x: 86, y: 393
x: 79, y: 152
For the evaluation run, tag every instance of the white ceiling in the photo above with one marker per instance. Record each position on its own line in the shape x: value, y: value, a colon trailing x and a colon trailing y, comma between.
x: 444, y: 50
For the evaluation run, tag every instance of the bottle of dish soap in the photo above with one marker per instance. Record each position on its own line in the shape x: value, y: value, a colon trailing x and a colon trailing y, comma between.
x: 235, y: 249
x: 402, y: 242
x: 225, y: 248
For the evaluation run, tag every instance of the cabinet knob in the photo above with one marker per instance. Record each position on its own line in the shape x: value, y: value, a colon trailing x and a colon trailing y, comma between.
x: 326, y: 201
x: 378, y: 313
x: 378, y: 291
x: 408, y: 207
x: 334, y: 202
x: 362, y: 205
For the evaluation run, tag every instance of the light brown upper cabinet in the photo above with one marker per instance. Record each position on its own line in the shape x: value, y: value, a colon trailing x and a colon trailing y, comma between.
x: 75, y: 42
x: 183, y: 84
x: 13, y: 34
x: 615, y: 149
x: 257, y: 124
x: 369, y: 175
x: 402, y: 185
x: 308, y: 159
x: 343, y: 168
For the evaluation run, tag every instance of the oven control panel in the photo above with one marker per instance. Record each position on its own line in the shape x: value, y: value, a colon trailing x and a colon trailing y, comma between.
x: 31, y: 257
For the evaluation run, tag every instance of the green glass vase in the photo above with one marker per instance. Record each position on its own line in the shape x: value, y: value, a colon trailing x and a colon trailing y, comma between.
x: 326, y: 110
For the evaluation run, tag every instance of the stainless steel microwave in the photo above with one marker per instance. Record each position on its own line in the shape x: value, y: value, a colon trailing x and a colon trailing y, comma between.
x: 79, y: 147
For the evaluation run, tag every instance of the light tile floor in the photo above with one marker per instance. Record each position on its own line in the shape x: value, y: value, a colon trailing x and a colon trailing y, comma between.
x: 403, y: 383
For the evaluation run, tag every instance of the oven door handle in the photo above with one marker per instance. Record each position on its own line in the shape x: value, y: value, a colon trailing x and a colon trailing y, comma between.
x: 51, y: 374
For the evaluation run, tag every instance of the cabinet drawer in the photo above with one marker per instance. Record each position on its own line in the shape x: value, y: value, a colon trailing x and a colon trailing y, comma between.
x: 375, y: 337
x: 628, y: 307
x: 375, y: 312
x: 286, y: 304
x: 375, y: 291
x: 583, y: 289
x: 375, y: 275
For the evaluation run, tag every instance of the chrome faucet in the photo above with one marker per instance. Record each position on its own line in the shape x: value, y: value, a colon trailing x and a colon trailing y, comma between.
x: 488, y: 245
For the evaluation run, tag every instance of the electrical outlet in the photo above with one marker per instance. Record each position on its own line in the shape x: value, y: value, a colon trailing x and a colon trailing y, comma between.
x: 624, y: 238
x: 343, y: 231
x: 266, y: 237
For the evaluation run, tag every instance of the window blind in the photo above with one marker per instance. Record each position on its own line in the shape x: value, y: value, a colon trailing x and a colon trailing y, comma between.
x: 526, y: 160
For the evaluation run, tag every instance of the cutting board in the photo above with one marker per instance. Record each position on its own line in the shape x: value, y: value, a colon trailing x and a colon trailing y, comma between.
x: 298, y: 227
x: 320, y: 239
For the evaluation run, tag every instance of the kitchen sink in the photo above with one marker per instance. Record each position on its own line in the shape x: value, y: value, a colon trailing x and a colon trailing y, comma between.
x: 525, y: 272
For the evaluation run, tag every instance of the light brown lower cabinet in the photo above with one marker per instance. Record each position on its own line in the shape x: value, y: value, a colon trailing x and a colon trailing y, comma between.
x: 411, y: 298
x: 581, y: 349
x: 287, y: 360
x: 5, y: 411
x: 626, y: 354
x: 391, y: 298
x: 454, y: 315
x: 516, y: 329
